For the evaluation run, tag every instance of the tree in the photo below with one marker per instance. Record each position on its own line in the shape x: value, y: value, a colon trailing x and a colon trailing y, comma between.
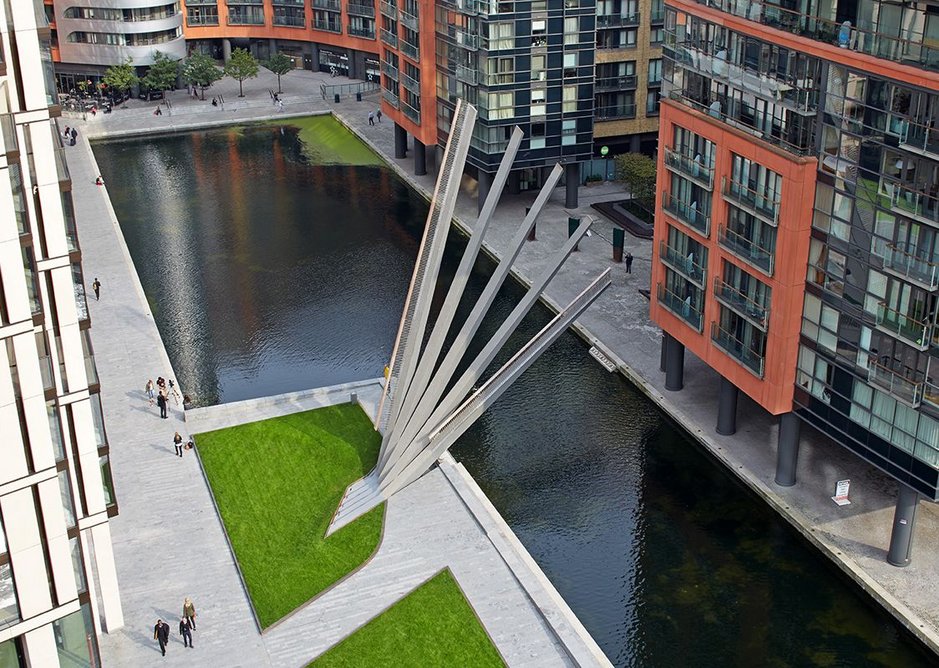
x: 279, y: 64
x: 200, y: 70
x: 637, y: 172
x: 162, y: 73
x: 242, y: 65
x: 121, y: 77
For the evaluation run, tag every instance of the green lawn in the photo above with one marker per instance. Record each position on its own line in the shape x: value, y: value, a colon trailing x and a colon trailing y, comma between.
x: 326, y: 141
x: 432, y: 626
x: 277, y: 484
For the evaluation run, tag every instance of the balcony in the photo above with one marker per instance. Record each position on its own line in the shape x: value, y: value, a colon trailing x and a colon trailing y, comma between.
x: 693, y: 169
x: 290, y: 21
x: 749, y: 251
x: 922, y: 139
x: 411, y: 113
x: 680, y: 307
x: 912, y: 330
x: 624, y: 82
x: 389, y: 70
x: 764, y: 206
x: 686, y: 266
x: 329, y: 5
x: 751, y: 360
x: 617, y: 20
x: 389, y: 97
x: 909, y: 263
x: 358, y: 9
x: 410, y: 51
x: 389, y: 38
x: 900, y: 385
x: 689, y: 215
x: 467, y: 74
x: 410, y: 20
x: 328, y: 26
x: 411, y: 84
x: 61, y: 167
x: 367, y: 33
x: 196, y: 21
x: 389, y: 10
x: 615, y: 112
x: 741, y: 303
x: 908, y: 202
x: 243, y: 20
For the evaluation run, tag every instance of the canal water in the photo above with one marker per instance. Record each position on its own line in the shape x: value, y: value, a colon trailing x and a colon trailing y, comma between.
x: 270, y: 270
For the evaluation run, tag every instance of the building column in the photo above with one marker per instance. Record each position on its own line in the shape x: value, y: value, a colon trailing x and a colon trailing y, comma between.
x: 663, y: 353
x: 787, y: 450
x: 420, y: 158
x: 727, y: 408
x: 484, y: 181
x: 674, y: 364
x: 226, y: 50
x: 107, y: 578
x: 401, y: 142
x: 901, y: 538
x: 572, y: 181
x: 40, y: 647
x: 635, y: 143
x: 515, y: 183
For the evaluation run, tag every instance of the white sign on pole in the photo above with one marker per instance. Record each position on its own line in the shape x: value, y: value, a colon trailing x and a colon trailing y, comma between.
x: 841, y: 493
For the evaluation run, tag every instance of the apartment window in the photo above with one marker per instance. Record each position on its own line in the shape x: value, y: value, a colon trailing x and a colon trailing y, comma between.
x: 655, y: 72
x: 68, y: 504
x: 9, y: 610
x: 538, y: 106
x: 656, y: 36
x: 569, y: 96
x: 570, y: 65
x: 539, y: 33
x: 539, y: 68
x: 571, y: 30
x: 501, y: 36
x: 500, y: 71
x: 568, y: 132
x: 76, y: 550
x: 652, y: 102
x: 97, y: 416
x: 55, y: 429
x: 104, y: 461
x: 501, y: 106
x: 537, y: 139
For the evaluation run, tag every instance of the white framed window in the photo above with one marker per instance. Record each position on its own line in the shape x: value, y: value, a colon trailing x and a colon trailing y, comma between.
x: 538, y: 105
x: 568, y: 132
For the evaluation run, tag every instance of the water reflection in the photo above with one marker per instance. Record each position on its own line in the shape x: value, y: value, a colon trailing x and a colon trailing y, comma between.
x: 267, y: 274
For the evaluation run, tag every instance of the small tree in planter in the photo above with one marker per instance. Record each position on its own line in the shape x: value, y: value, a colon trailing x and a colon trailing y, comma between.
x: 162, y: 74
x: 637, y: 172
x: 121, y: 78
x: 279, y: 64
x: 242, y: 65
x: 200, y: 70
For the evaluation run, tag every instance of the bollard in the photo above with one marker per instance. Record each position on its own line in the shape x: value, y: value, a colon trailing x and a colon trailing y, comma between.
x: 336, y: 98
x: 619, y: 242
x: 354, y: 398
x: 531, y: 232
x: 572, y: 225
x: 358, y: 97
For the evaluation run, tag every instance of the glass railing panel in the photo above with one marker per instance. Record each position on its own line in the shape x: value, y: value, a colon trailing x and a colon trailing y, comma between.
x: 747, y: 250
x: 913, y: 202
x: 899, y: 385
x: 680, y: 306
x: 764, y: 205
x: 687, y: 214
x: 693, y: 168
x: 919, y: 137
x: 909, y: 328
x: 741, y: 303
x: 913, y: 264
x: 683, y: 264
x: 736, y: 348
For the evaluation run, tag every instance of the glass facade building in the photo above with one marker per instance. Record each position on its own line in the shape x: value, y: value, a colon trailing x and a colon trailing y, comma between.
x: 799, y: 170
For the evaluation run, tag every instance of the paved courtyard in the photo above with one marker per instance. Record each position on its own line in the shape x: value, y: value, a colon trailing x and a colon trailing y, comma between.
x: 854, y: 537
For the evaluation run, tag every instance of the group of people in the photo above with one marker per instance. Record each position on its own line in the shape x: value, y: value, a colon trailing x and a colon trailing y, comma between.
x: 178, y: 444
x: 69, y: 135
x: 187, y: 624
x: 372, y: 115
x: 160, y: 393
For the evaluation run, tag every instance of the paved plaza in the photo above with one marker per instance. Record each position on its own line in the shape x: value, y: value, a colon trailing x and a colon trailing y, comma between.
x: 159, y: 525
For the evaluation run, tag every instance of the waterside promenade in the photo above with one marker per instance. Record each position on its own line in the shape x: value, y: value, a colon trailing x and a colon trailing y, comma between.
x: 169, y: 542
x: 854, y: 537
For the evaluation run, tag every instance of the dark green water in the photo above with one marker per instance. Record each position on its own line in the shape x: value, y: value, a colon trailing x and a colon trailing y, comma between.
x: 267, y: 274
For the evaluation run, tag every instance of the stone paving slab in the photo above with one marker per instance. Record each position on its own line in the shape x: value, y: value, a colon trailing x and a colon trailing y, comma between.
x: 854, y: 537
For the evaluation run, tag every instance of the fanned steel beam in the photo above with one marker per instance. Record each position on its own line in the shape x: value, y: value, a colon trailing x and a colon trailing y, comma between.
x: 438, y: 409
x: 431, y: 353
x: 473, y: 321
x: 460, y: 420
x: 424, y: 279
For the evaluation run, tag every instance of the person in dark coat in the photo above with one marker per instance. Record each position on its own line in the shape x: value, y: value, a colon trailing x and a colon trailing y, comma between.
x: 161, y: 633
x: 629, y: 262
x: 185, y: 630
x: 178, y: 444
x: 74, y: 135
x: 161, y: 402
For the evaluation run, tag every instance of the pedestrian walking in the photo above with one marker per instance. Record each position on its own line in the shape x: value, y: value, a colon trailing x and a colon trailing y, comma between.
x: 149, y: 390
x: 186, y: 632
x: 371, y: 118
x: 378, y: 115
x: 178, y: 444
x: 629, y: 262
x: 96, y: 286
x: 161, y: 402
x: 65, y: 135
x: 74, y: 135
x: 161, y: 633
x: 189, y: 609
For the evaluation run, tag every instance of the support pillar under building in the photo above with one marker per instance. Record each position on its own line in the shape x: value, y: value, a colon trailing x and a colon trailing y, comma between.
x: 664, y: 352
x: 572, y: 184
x: 484, y: 181
x: 901, y: 538
x: 420, y: 158
x: 401, y: 142
x: 727, y: 408
x: 787, y: 450
x: 674, y: 364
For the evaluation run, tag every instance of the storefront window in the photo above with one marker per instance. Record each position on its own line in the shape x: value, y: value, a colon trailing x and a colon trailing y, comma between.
x: 75, y: 639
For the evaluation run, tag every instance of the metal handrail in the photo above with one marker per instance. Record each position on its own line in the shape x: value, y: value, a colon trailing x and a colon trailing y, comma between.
x: 736, y: 349
x: 680, y: 307
x: 684, y: 265
x: 687, y: 214
x: 747, y: 250
x: 911, y: 329
x: 741, y: 302
x: 912, y: 266
x: 764, y: 206
x: 690, y: 167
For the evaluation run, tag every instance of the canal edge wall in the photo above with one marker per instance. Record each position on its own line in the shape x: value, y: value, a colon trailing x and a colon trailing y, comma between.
x: 905, y: 616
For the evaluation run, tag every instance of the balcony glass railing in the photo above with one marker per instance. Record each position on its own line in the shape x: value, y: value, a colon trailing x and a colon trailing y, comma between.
x: 411, y: 84
x: 8, y: 131
x: 900, y: 385
x: 619, y: 82
x: 193, y: 20
x: 737, y: 349
x: 742, y: 303
x: 390, y: 97
x: 913, y: 264
x: 45, y: 372
x: 909, y: 328
x: 614, y: 112
x: 411, y: 51
x: 328, y: 26
x: 467, y: 74
x: 680, y: 306
x: 357, y: 9
x: 747, y: 250
x: 918, y: 137
x: 389, y: 10
x: 616, y: 20
x: 389, y: 70
x: 764, y: 206
x: 411, y: 112
x: 694, y: 168
x: 913, y: 202
x: 683, y: 264
x: 410, y: 20
x: 355, y: 31
x: 687, y: 213
x: 329, y: 5
x: 389, y: 38
x: 290, y: 21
